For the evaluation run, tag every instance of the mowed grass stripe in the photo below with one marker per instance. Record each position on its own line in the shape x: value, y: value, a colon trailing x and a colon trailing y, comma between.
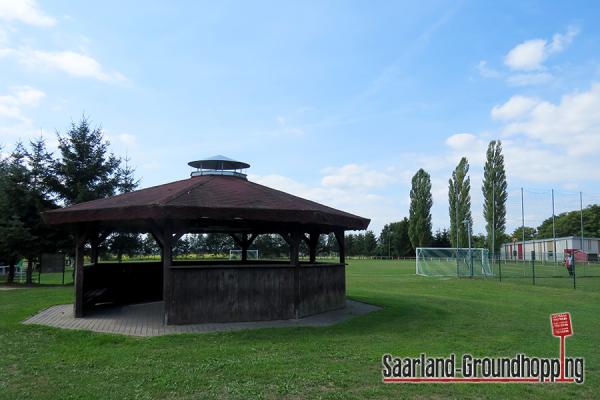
x: 433, y: 315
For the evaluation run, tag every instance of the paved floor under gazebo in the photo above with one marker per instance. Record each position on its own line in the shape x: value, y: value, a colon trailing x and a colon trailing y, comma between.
x: 146, y: 320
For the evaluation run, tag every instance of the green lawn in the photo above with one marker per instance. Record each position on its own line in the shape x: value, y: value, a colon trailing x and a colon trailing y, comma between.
x: 437, y: 316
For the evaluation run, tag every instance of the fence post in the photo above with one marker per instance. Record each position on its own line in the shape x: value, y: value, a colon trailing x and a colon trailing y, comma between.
x: 574, y: 273
x: 533, y: 266
x: 500, y: 268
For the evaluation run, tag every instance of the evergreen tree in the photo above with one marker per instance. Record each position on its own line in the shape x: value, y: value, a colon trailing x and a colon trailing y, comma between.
x: 420, y: 210
x: 441, y: 238
x: 127, y: 180
x: 85, y: 171
x: 17, y: 211
x: 495, y: 195
x: 370, y: 244
x: 459, y: 199
x: 127, y: 243
x: 49, y: 239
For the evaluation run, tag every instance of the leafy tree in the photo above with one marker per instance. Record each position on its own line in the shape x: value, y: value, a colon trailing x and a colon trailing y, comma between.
x: 495, y: 195
x: 148, y: 246
x: 121, y: 244
x: 420, y: 210
x: 459, y: 199
x: 530, y: 233
x: 395, y: 240
x: 182, y: 246
x: 569, y: 223
x: 331, y: 245
x: 478, y: 241
x: 196, y: 243
x: 219, y: 243
x: 271, y: 246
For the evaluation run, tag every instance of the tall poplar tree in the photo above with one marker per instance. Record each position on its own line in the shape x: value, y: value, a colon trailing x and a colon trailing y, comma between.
x: 421, y: 201
x: 459, y: 199
x: 495, y: 195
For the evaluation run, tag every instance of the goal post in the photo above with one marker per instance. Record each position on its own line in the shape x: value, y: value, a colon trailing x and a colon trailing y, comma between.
x: 237, y: 254
x: 462, y: 262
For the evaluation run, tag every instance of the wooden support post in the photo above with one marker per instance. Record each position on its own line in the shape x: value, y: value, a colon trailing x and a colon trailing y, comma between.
x: 244, y: 241
x: 245, y: 246
x: 339, y: 235
x: 80, y: 238
x: 294, y: 241
x: 313, y: 242
x: 165, y: 239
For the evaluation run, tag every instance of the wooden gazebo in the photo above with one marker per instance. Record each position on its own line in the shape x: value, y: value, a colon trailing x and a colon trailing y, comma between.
x: 217, y: 198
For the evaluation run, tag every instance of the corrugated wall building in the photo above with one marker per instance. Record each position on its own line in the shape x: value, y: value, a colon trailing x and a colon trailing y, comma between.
x: 546, y: 249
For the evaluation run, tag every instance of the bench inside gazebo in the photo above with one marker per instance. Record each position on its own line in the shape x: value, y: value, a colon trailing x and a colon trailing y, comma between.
x: 217, y: 198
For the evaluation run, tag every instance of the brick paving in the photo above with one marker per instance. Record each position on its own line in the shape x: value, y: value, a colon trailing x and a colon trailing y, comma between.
x: 146, y: 320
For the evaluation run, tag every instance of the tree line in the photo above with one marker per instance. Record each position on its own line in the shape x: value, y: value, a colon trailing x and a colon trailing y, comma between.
x: 34, y: 179
x: 565, y: 224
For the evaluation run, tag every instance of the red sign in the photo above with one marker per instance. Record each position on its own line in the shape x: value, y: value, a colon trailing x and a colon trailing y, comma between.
x: 561, y: 324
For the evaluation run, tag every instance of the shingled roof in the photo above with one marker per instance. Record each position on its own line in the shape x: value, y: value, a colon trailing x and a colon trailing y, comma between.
x: 214, y: 197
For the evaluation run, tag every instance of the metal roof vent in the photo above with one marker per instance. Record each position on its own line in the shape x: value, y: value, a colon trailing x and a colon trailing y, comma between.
x: 219, y: 165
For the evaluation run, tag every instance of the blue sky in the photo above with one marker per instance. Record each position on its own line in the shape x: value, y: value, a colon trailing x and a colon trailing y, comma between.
x: 340, y: 102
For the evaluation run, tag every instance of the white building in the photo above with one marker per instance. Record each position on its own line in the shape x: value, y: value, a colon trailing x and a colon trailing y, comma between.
x: 545, y: 249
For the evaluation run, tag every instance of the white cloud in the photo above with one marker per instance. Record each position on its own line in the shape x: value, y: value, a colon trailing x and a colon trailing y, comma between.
x: 25, y: 11
x: 561, y: 42
x: 461, y: 141
x: 486, y: 71
x: 356, y: 175
x: 572, y: 125
x: 531, y: 54
x: 76, y: 64
x: 127, y: 139
x: 11, y: 105
x: 543, y: 141
x: 536, y: 78
x: 344, y: 195
x: 465, y: 145
x: 285, y: 129
x: 528, y: 55
x: 515, y: 107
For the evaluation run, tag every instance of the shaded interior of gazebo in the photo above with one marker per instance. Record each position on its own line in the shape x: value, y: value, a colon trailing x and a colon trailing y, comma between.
x: 213, y: 200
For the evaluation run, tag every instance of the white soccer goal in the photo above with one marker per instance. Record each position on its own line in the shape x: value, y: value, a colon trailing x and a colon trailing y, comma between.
x: 453, y: 262
x: 237, y: 254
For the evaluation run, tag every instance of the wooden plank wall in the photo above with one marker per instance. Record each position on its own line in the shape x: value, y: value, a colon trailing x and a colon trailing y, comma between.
x: 259, y: 293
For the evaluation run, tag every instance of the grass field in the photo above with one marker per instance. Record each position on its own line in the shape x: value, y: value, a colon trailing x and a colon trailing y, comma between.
x: 436, y: 316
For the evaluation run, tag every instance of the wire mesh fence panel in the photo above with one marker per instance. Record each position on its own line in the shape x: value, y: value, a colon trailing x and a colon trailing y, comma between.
x: 550, y: 242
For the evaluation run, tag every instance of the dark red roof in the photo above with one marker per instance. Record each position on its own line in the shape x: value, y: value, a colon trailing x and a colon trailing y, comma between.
x: 220, y: 198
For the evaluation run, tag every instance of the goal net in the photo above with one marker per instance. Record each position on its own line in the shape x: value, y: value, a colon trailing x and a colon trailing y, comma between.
x: 453, y: 262
x: 237, y: 254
